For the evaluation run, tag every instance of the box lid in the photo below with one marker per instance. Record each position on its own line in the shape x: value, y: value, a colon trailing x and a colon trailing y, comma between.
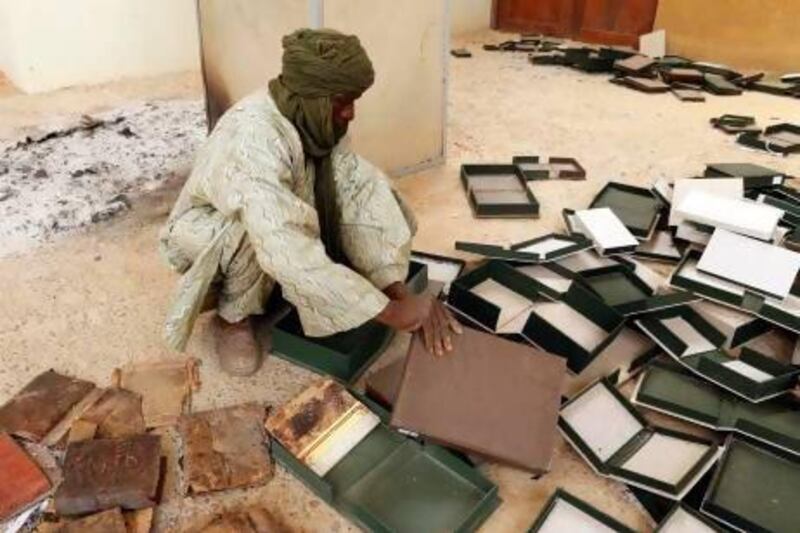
x: 606, y: 230
x: 490, y: 396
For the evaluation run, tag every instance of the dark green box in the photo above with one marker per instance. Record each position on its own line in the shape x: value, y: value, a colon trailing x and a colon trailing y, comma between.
x: 345, y: 355
x: 755, y: 489
x: 713, y: 364
x: 726, y: 293
x: 754, y: 176
x: 669, y: 389
x: 527, y: 209
x: 702, y: 522
x: 614, y: 465
x: 622, y: 289
x: 576, y: 172
x: 562, y: 496
x: 517, y: 253
x: 636, y: 207
x: 391, y: 483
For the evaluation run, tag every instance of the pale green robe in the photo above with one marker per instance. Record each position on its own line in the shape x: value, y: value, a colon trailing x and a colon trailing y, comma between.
x: 245, y: 220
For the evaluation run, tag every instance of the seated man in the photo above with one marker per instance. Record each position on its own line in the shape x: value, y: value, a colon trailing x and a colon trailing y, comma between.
x: 275, y: 198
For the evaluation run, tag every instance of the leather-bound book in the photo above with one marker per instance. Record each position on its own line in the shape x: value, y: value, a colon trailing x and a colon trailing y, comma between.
x: 490, y: 396
x: 41, y: 404
x: 23, y: 482
x: 106, y: 473
x: 225, y: 449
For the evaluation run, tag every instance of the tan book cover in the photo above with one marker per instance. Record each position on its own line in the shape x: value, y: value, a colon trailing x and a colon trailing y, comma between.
x: 321, y: 425
x: 490, y: 396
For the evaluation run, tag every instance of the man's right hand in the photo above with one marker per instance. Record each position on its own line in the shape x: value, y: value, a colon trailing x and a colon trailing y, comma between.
x: 408, y: 313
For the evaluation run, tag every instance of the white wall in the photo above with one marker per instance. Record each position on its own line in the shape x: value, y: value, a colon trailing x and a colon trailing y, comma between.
x: 48, y: 44
x: 400, y: 121
x: 470, y: 15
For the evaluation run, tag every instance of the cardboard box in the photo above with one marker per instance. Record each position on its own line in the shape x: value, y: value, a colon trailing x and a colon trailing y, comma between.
x: 768, y: 501
x: 563, y: 512
x: 684, y: 519
x: 737, y: 326
x: 387, y: 483
x: 535, y: 168
x: 620, y: 287
x: 779, y: 138
x: 784, y: 313
x: 669, y: 389
x: 636, y: 207
x: 754, y: 176
x: 696, y: 344
x: 608, y: 232
x: 660, y: 247
x: 498, y: 191
x: 439, y: 268
x: 742, y: 216
x: 755, y: 265
x: 542, y: 249
x: 616, y: 441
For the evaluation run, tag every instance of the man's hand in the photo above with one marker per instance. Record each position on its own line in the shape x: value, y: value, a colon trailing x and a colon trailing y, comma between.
x: 437, y: 331
x: 407, y: 313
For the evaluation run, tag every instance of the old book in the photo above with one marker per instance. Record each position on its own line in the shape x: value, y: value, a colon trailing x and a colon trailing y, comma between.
x: 225, y: 449
x: 106, y: 473
x: 490, y: 396
x: 165, y: 387
x: 321, y: 425
x: 81, y: 430
x: 110, y: 521
x: 41, y: 404
x: 117, y: 414
x: 23, y: 482
x: 252, y: 520
x: 139, y: 521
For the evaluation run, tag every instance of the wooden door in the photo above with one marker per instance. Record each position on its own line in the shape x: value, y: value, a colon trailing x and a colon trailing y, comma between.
x: 550, y: 17
x: 617, y: 22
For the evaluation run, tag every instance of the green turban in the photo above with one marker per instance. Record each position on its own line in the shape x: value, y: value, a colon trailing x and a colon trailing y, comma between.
x: 318, y: 64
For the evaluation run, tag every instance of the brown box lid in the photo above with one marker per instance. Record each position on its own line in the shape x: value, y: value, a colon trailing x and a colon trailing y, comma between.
x: 23, y: 482
x: 490, y: 396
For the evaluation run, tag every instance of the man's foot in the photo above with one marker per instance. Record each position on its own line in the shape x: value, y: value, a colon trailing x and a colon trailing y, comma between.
x: 236, y: 346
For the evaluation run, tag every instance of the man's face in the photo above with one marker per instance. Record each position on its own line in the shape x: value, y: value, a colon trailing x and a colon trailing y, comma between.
x: 344, y: 110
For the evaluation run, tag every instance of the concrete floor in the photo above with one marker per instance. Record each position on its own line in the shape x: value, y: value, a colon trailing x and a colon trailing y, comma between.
x: 94, y: 301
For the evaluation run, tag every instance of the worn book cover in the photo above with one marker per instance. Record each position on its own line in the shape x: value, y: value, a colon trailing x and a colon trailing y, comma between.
x: 165, y: 387
x: 321, y: 425
x: 489, y: 396
x: 41, y: 404
x: 225, y: 449
x: 106, y: 473
x: 117, y: 414
x: 22, y: 481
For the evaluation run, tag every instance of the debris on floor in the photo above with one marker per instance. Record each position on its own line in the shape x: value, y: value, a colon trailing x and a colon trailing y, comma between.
x: 58, y: 179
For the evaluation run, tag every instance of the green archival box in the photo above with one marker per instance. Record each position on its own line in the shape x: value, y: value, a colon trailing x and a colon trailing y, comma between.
x: 498, y: 191
x: 696, y: 344
x: 615, y: 439
x: 755, y: 489
x: 682, y: 519
x: 391, y: 483
x: 345, y: 355
x: 686, y: 276
x: 567, y: 513
x: 636, y: 207
x: 669, y: 389
x: 620, y: 287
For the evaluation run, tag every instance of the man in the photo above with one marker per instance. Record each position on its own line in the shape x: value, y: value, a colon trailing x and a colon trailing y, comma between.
x: 275, y: 198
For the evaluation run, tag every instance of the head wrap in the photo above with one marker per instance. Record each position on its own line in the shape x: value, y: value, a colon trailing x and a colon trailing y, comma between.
x: 317, y: 65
